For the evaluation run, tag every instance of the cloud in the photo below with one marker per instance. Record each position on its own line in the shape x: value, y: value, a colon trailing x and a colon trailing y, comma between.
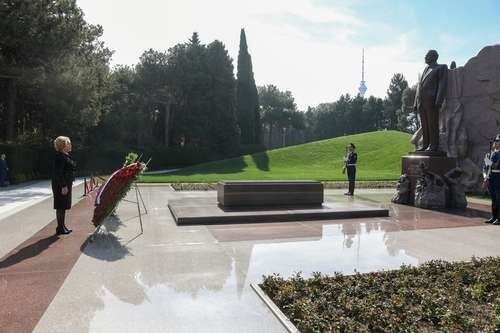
x: 307, y: 10
x: 451, y: 42
x: 300, y: 45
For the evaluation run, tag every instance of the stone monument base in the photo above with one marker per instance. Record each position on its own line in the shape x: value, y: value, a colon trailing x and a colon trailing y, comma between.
x: 208, y: 211
x: 412, y: 166
x: 435, y: 165
x: 267, y: 201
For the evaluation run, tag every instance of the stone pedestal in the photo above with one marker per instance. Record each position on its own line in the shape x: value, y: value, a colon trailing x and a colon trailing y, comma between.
x: 435, y: 162
x: 269, y: 193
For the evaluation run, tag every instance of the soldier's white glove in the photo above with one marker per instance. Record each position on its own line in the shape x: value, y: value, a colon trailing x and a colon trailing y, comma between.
x: 487, y: 161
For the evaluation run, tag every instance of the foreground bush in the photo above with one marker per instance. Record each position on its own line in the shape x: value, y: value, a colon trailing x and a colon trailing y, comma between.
x: 436, y: 296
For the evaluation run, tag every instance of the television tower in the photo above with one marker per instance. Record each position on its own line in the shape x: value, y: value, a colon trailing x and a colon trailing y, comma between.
x: 362, y: 86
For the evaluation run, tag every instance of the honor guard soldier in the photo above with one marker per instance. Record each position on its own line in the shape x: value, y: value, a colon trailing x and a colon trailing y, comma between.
x: 492, y: 176
x: 350, y: 165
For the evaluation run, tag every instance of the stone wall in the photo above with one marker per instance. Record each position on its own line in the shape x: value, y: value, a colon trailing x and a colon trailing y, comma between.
x: 471, y: 115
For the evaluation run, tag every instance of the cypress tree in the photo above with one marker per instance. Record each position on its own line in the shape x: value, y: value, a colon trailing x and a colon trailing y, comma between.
x: 195, y: 39
x: 222, y: 128
x: 247, y: 98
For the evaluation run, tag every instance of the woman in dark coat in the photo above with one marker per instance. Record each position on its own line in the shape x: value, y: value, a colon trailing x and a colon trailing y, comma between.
x: 63, y: 175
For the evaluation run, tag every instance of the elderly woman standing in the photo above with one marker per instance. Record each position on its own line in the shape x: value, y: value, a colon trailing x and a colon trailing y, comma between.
x: 63, y: 174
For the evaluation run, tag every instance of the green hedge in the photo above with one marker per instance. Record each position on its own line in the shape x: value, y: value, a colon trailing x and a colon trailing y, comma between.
x: 20, y: 160
x: 34, y: 162
x: 437, y: 296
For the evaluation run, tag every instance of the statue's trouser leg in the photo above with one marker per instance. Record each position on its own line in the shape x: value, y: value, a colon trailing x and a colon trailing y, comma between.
x: 351, y: 176
x: 433, y: 125
x: 425, y: 126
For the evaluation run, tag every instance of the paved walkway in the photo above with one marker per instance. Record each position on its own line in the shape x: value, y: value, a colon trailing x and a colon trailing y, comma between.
x: 31, y: 274
x: 17, y: 197
x: 25, y: 209
x: 197, y: 278
x: 158, y: 172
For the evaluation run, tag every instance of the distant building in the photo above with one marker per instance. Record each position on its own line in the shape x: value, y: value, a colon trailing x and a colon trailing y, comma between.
x: 362, y: 86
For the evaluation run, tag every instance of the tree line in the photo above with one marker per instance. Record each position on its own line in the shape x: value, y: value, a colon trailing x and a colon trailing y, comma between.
x: 56, y: 79
x: 284, y: 124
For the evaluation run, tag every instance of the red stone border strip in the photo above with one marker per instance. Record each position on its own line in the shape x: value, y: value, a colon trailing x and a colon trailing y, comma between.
x: 32, y: 274
x: 290, y: 327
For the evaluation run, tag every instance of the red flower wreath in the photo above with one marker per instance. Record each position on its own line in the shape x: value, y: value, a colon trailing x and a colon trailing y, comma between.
x: 114, y: 190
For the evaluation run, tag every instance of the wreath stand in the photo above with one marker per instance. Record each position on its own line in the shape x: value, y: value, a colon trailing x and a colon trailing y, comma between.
x: 138, y: 196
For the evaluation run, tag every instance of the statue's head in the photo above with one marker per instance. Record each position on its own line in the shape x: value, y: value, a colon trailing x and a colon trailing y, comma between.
x: 431, y: 57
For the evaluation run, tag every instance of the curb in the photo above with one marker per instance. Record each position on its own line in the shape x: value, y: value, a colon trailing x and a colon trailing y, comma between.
x: 328, y: 185
x: 290, y: 327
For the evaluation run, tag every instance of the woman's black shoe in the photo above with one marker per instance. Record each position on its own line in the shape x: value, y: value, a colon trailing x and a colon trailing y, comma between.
x: 62, y: 231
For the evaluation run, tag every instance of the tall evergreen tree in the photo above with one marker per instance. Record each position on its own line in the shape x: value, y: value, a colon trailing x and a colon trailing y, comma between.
x: 407, y: 118
x: 223, y: 134
x: 393, y: 102
x: 247, y: 99
x: 195, y: 39
x: 277, y: 108
x: 373, y: 113
x: 37, y: 37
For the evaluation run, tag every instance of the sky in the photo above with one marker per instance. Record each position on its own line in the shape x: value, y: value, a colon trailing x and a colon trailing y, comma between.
x: 310, y: 47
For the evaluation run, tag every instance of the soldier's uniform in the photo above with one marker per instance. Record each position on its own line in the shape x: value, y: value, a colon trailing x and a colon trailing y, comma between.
x: 493, y: 177
x: 350, y: 164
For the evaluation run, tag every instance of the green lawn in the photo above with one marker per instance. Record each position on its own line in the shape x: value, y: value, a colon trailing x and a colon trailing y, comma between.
x: 379, y: 158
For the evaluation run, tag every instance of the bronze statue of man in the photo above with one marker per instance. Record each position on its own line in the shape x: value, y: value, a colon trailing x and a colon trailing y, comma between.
x: 431, y: 92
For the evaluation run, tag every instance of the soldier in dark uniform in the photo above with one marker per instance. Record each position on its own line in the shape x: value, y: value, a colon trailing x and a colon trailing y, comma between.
x: 350, y: 165
x: 492, y: 163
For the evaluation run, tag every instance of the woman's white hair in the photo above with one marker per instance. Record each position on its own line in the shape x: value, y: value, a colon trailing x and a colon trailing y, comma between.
x: 60, y: 142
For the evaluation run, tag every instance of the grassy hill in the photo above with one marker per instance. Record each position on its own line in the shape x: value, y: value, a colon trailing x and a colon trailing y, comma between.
x: 379, y: 158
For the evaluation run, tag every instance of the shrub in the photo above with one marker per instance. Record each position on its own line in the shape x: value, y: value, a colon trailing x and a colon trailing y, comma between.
x: 436, y: 296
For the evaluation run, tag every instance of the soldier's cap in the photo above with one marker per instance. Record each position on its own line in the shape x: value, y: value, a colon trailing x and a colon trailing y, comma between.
x: 497, y: 138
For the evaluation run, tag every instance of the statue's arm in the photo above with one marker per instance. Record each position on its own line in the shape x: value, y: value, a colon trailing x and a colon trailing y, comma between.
x: 442, y: 85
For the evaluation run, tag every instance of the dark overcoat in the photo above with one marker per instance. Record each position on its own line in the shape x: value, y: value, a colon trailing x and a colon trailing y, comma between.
x: 3, y: 171
x: 63, y: 174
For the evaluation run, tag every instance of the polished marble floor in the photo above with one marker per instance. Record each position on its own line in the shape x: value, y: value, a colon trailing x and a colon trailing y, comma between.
x: 197, y: 278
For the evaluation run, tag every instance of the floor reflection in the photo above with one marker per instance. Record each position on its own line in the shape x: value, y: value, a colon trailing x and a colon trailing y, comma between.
x: 345, y: 248
x: 200, y: 281
x: 171, y: 309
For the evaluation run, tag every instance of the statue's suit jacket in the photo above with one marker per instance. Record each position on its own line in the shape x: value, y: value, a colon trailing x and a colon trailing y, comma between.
x: 431, y: 89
